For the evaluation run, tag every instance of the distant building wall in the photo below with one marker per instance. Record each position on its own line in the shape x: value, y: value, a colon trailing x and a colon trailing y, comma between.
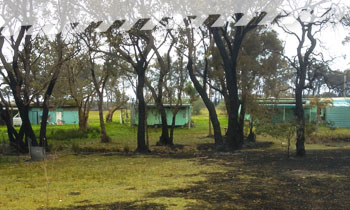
x: 56, y: 116
x: 183, y: 117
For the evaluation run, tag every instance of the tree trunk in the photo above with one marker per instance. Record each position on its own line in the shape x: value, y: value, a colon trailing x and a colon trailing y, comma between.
x: 158, y: 99
x: 48, y: 93
x: 15, y: 139
x: 141, y: 141
x: 241, y: 120
x: 210, y: 106
x: 27, y: 126
x: 164, y: 138
x: 299, y: 111
x: 233, y: 135
x: 83, y: 120
x: 104, y: 137
x: 112, y: 110
x: 173, y: 126
x: 43, y: 140
x: 109, y: 116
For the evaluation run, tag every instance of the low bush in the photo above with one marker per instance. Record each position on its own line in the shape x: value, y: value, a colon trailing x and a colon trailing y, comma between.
x: 68, y: 134
x: 197, y: 106
x: 328, y: 137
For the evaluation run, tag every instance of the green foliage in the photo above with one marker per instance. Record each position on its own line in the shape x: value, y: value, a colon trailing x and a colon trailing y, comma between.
x: 285, y: 132
x: 76, y: 148
x: 222, y: 107
x: 329, y: 135
x: 73, y: 133
x: 310, y: 129
x: 197, y: 106
x: 191, y: 92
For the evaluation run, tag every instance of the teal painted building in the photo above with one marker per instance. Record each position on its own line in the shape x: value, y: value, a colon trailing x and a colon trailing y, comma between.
x: 335, y: 115
x: 338, y: 115
x: 57, y: 116
x: 283, y: 109
x: 183, y: 117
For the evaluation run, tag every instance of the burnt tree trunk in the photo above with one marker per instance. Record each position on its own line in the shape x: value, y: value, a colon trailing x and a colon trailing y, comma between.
x: 99, y: 90
x: 210, y: 106
x: 302, y: 68
x: 27, y: 126
x: 104, y: 137
x: 19, y: 82
x: 241, y: 119
x: 48, y: 93
x: 158, y: 97
x: 299, y: 112
x: 141, y: 141
x: 15, y: 139
x: 233, y: 134
x: 173, y: 121
x: 229, y: 50
x: 164, y: 138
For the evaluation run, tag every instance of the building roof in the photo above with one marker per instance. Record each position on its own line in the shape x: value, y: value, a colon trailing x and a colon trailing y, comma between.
x: 290, y: 102
x: 170, y: 105
x: 34, y: 105
x: 280, y: 101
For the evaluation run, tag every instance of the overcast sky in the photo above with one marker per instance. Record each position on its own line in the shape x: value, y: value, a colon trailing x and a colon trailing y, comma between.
x: 330, y: 44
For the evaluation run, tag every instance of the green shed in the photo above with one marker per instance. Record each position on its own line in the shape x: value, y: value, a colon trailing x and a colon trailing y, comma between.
x: 338, y: 115
x: 283, y: 109
x: 57, y: 116
x: 183, y: 117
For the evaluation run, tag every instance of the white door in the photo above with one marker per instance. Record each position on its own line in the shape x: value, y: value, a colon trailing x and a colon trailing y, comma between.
x: 58, y: 118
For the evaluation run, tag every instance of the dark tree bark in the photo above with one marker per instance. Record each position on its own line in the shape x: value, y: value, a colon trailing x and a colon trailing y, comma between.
x: 201, y: 89
x: 99, y: 90
x: 158, y: 99
x: 241, y: 117
x: 140, y: 67
x: 299, y: 112
x: 173, y: 121
x: 301, y: 63
x: 158, y: 95
x: 229, y: 48
x: 210, y: 106
x: 19, y: 82
x: 141, y: 142
x: 300, y: 84
x: 49, y: 90
x: 14, y: 137
x: 234, y: 138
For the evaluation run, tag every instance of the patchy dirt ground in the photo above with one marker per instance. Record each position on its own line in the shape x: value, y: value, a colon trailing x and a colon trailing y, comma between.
x: 256, y: 177
x: 267, y: 179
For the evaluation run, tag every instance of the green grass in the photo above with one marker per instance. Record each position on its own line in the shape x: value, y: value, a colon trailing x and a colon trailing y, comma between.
x: 96, y: 179
x: 179, y: 178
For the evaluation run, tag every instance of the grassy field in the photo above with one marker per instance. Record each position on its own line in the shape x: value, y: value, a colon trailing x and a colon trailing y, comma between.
x: 82, y: 173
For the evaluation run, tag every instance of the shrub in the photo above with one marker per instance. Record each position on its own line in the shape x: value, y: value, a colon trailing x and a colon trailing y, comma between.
x: 68, y: 134
x: 126, y: 149
x: 222, y: 107
x: 197, y: 106
x: 76, y: 148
